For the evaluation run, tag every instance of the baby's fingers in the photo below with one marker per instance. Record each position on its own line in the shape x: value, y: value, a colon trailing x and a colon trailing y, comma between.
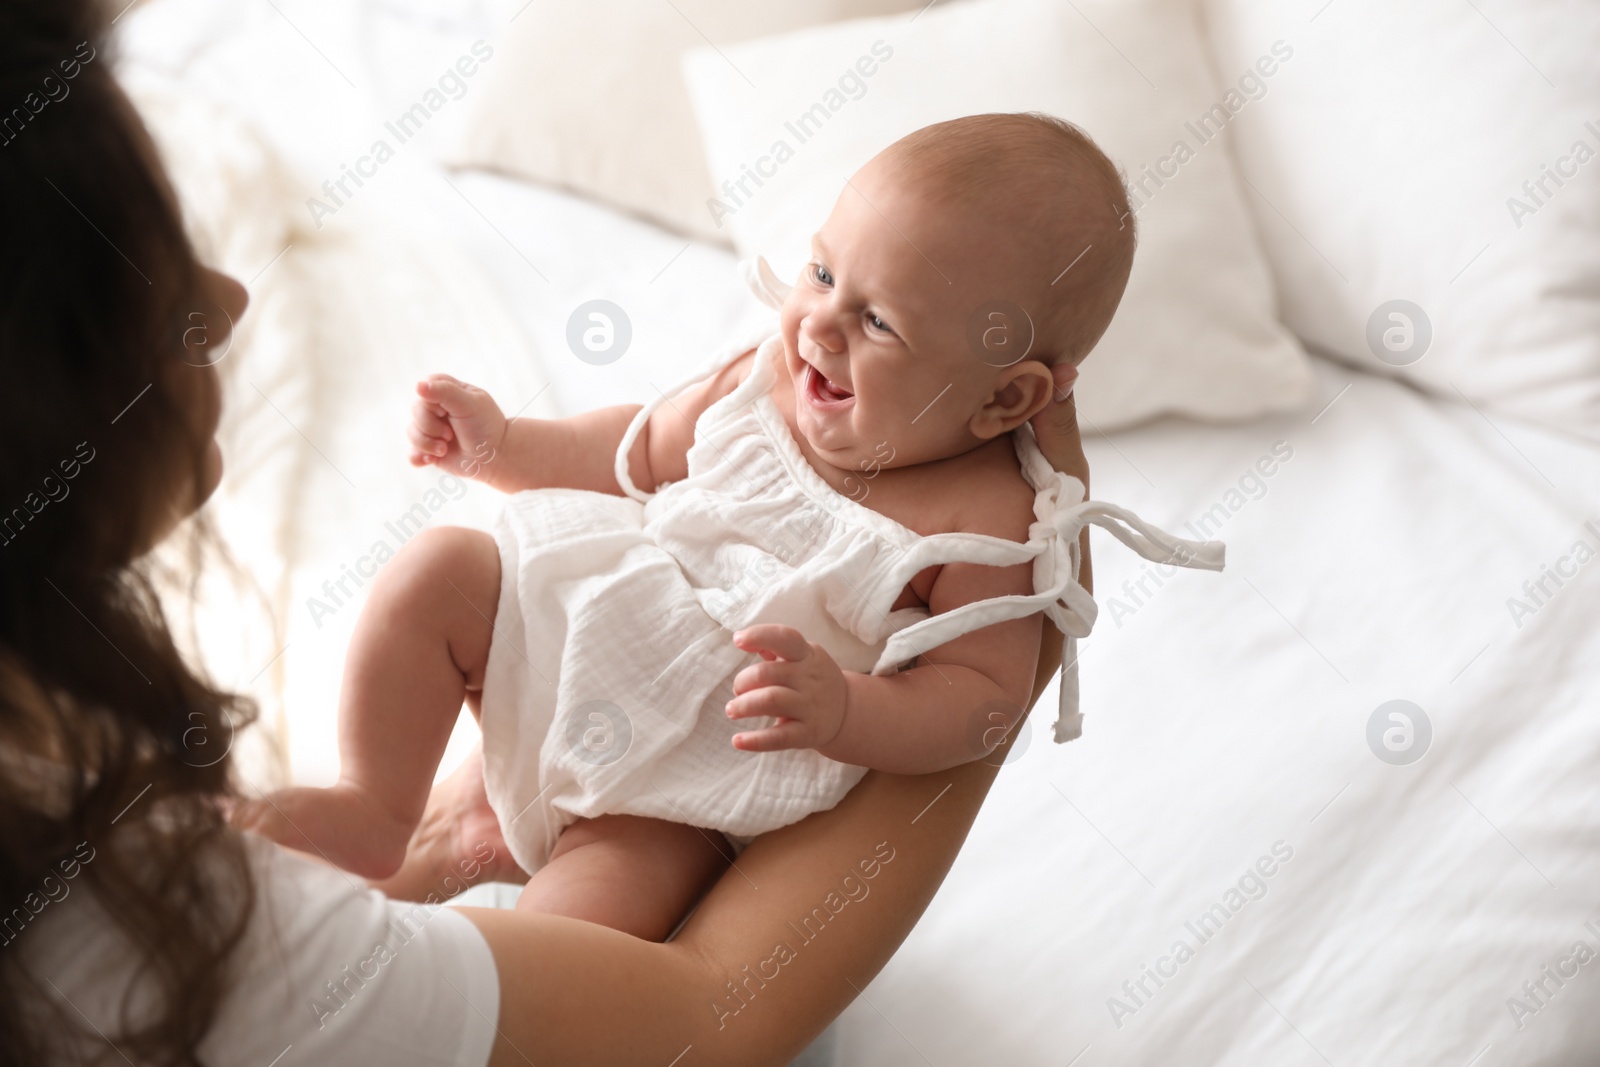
x: 431, y: 420
x: 428, y: 388
x: 423, y: 444
x: 457, y: 399
x: 766, y: 673
x: 772, y: 640
x: 773, y: 739
x: 771, y: 700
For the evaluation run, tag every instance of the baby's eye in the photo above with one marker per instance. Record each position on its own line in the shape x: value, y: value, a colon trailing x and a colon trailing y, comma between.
x: 878, y: 324
x: 820, y: 274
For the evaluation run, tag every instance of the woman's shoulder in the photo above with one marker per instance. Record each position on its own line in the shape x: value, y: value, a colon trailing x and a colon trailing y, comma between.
x: 326, y: 964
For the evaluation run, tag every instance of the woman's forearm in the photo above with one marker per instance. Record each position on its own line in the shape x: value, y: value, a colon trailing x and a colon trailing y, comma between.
x: 788, y: 937
x: 813, y: 911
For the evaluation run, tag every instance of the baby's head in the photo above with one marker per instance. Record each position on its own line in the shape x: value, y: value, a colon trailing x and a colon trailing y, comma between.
x: 959, y: 267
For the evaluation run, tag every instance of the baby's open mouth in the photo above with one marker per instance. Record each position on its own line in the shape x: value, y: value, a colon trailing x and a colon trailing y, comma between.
x: 822, y: 392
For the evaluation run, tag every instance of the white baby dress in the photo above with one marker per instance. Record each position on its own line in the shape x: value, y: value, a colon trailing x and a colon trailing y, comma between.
x: 612, y: 656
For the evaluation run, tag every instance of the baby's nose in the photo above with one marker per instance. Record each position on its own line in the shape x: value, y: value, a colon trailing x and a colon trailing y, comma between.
x: 823, y: 332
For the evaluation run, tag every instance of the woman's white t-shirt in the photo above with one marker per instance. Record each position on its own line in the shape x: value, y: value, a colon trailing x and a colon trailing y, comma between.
x: 329, y: 973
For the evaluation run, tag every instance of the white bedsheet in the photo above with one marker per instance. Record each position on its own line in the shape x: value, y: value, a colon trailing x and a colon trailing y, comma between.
x: 1226, y: 714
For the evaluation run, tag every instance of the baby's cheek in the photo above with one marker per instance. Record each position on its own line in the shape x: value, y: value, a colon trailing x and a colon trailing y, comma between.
x: 909, y: 399
x: 789, y: 317
x: 886, y: 419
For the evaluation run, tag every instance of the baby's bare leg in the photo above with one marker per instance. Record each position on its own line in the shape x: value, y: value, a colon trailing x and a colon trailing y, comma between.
x: 630, y: 873
x: 422, y: 641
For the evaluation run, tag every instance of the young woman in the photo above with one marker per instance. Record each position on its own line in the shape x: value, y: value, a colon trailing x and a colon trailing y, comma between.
x: 135, y: 925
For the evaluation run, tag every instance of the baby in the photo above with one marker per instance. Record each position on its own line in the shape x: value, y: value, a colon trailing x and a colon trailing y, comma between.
x: 707, y: 618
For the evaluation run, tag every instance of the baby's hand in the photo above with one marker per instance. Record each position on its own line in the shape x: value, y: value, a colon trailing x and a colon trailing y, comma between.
x: 454, y: 425
x: 799, y: 683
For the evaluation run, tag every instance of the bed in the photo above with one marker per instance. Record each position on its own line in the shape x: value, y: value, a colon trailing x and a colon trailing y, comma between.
x: 1336, y: 805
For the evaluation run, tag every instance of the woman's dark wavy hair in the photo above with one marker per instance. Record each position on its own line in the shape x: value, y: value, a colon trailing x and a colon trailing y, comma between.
x: 100, y: 715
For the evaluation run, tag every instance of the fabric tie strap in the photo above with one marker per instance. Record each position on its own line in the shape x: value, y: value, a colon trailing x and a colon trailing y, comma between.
x: 1056, y: 569
x: 1060, y: 515
x: 763, y: 282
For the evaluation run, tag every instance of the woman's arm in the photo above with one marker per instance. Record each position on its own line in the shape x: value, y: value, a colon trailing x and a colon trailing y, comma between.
x: 788, y: 937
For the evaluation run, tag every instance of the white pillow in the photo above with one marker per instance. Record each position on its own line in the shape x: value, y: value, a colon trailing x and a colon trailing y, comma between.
x: 586, y: 95
x: 1196, y: 332
x: 1388, y: 159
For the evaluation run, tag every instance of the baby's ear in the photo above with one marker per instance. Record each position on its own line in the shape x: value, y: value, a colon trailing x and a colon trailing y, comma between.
x: 1021, y: 391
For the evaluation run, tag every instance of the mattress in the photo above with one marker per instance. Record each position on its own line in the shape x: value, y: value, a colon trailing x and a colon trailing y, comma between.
x: 1337, y: 804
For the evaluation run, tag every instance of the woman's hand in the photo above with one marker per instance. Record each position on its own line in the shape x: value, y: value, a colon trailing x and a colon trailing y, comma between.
x: 1056, y: 428
x: 458, y: 843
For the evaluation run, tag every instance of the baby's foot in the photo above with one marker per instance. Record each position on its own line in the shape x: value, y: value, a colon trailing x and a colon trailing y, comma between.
x: 457, y: 843
x: 339, y: 824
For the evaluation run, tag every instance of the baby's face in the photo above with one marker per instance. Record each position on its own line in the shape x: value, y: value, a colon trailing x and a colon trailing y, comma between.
x: 876, y: 332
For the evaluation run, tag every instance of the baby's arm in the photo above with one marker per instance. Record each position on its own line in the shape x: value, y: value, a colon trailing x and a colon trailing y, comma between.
x: 961, y: 698
x: 460, y: 428
x: 954, y: 706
